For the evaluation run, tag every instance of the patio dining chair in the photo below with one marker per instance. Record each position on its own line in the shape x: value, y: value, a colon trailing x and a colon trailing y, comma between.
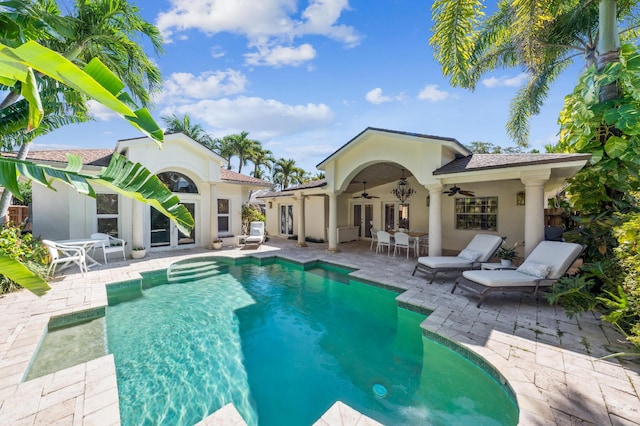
x: 60, y: 254
x: 402, y: 241
x: 374, y: 237
x: 480, y: 249
x: 108, y: 244
x: 545, y: 265
x: 384, y: 240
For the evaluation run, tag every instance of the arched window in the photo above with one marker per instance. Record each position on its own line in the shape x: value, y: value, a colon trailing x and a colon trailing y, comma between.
x: 177, y: 182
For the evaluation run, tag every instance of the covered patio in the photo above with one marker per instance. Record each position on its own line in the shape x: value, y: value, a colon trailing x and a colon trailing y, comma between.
x: 386, y: 180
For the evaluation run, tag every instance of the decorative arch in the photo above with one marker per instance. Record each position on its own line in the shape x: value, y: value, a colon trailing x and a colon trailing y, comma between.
x: 178, y: 182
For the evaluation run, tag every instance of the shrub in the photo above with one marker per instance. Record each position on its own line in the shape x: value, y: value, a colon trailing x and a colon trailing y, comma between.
x: 23, y: 248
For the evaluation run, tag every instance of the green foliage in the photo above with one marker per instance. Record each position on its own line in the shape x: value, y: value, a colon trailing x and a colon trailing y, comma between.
x: 573, y: 293
x: 507, y: 253
x: 22, y: 248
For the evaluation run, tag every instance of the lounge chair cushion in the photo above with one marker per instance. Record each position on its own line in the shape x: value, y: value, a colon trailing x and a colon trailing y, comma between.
x: 471, y: 255
x: 445, y: 262
x: 485, y: 244
x: 559, y: 255
x: 501, y: 278
x: 538, y: 270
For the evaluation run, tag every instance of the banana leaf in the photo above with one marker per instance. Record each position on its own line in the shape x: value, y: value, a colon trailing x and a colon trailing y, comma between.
x: 19, y: 273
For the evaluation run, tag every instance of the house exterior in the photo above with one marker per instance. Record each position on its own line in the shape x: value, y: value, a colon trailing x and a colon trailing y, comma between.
x: 212, y: 194
x: 502, y: 194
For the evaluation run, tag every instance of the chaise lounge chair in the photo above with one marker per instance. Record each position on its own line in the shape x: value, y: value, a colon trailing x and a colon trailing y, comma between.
x: 256, y: 235
x: 549, y: 261
x: 480, y: 249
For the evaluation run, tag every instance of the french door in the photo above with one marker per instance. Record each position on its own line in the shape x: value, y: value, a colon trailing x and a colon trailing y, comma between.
x: 396, y: 215
x: 362, y: 217
x: 164, y: 233
x: 286, y: 219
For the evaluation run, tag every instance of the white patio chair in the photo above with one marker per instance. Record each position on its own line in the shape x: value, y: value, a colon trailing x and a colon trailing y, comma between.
x: 374, y: 237
x: 109, y: 244
x: 480, y: 249
x: 60, y: 254
x: 384, y: 240
x: 256, y: 235
x: 547, y: 263
x: 402, y: 241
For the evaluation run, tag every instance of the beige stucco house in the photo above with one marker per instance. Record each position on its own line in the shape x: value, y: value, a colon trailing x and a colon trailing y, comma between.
x: 502, y: 194
x: 212, y: 194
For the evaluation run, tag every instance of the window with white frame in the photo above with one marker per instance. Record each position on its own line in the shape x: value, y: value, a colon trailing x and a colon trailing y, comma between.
x: 224, y: 222
x: 477, y: 213
x: 107, y: 213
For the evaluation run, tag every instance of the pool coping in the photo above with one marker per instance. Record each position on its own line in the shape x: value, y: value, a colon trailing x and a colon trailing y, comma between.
x: 538, y: 403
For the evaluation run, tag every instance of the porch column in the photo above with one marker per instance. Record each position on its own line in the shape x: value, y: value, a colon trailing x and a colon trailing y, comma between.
x: 301, y: 215
x: 333, y: 223
x: 213, y: 213
x: 137, y: 225
x: 435, y: 220
x: 534, y: 210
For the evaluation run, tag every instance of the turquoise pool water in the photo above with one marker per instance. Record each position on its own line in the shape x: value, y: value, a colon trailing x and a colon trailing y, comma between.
x: 283, y: 345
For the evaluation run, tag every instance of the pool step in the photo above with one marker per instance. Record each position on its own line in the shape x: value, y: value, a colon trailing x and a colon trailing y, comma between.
x: 191, y: 271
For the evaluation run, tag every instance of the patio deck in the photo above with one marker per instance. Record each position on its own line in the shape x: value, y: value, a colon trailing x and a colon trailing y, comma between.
x: 551, y: 362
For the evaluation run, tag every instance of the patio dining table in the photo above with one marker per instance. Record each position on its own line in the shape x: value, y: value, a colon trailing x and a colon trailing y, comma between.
x: 87, y: 244
x: 414, y: 236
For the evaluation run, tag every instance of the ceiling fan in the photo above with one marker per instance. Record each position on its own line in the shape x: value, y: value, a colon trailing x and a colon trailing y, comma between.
x: 457, y: 190
x: 364, y: 193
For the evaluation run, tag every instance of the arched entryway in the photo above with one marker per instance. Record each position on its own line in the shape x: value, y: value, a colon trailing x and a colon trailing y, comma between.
x: 163, y: 233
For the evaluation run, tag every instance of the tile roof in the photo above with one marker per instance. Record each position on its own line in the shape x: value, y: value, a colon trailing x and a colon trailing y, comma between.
x: 101, y: 157
x: 500, y: 161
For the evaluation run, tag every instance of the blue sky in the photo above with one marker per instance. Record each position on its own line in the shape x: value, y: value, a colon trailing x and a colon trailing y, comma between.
x: 304, y: 77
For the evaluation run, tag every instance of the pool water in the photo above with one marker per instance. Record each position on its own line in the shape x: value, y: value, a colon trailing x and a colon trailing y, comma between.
x: 283, y: 345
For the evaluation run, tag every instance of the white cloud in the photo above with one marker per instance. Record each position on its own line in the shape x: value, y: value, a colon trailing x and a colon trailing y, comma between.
x: 267, y: 24
x: 217, y: 52
x: 279, y: 55
x: 505, y: 81
x: 375, y: 96
x: 263, y: 118
x: 183, y: 87
x: 432, y: 93
x: 100, y: 112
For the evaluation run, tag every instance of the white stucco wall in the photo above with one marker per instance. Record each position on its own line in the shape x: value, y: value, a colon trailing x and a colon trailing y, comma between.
x: 48, y: 222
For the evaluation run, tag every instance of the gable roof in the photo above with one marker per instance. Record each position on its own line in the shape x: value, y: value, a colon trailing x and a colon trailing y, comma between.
x: 450, y: 141
x: 500, y: 161
x: 285, y: 192
x: 101, y: 158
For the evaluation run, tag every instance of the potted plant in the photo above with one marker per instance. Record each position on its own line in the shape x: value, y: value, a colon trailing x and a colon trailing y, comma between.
x: 138, y: 252
x: 216, y: 244
x: 507, y: 254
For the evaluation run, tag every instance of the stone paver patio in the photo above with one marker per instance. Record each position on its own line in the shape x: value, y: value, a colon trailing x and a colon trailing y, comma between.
x: 551, y: 362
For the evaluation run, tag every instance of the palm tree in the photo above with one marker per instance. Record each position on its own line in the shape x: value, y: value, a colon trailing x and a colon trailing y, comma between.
x: 183, y: 124
x: 261, y: 157
x: 242, y: 147
x: 285, y: 172
x: 224, y: 146
x: 109, y: 30
x: 541, y: 37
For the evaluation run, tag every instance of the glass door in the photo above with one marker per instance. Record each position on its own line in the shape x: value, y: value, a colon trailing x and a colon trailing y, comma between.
x: 164, y: 233
x: 396, y: 216
x: 286, y: 220
x: 362, y: 217
x: 389, y: 216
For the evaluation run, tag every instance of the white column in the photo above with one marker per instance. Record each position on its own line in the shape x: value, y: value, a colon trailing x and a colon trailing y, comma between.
x: 137, y: 232
x: 333, y: 223
x: 435, y: 220
x: 534, y: 211
x: 213, y: 213
x: 301, y: 214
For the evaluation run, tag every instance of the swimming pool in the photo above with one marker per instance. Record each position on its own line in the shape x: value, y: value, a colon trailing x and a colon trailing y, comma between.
x: 283, y: 344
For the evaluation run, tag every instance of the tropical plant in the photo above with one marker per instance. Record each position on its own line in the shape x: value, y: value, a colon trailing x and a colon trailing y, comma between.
x: 242, y: 147
x: 183, y: 124
x: 285, y: 173
x: 542, y: 38
x: 250, y: 214
x: 106, y: 29
x: 261, y: 158
x: 507, y: 253
x: 22, y: 259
